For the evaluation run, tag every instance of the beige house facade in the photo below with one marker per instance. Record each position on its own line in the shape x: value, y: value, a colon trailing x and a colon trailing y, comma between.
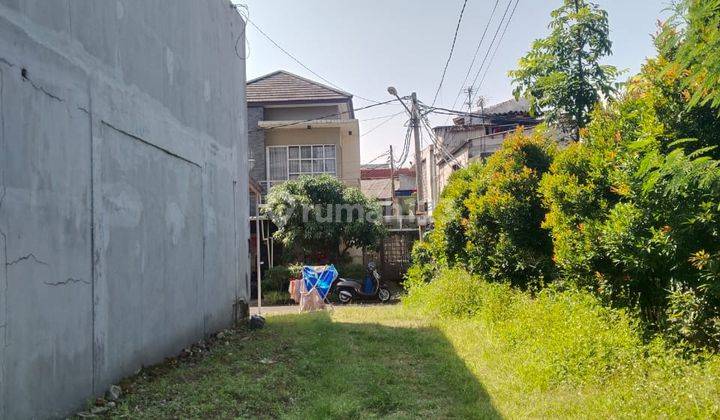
x: 300, y: 127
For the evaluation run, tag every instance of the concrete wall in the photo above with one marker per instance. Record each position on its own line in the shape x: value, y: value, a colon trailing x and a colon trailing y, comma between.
x: 123, y: 190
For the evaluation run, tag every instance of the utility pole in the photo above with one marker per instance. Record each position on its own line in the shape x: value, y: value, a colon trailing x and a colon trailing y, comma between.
x: 392, y: 181
x: 469, y: 102
x: 418, y: 164
x: 414, y: 112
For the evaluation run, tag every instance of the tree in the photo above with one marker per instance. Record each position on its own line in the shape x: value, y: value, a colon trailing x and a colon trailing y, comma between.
x: 561, y: 76
x: 320, y: 214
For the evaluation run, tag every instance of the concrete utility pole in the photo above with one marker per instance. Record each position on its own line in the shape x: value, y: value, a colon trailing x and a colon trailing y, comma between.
x: 414, y: 112
x: 418, y: 164
x: 392, y: 181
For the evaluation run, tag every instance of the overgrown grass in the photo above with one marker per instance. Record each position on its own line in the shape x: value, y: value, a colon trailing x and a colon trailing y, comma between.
x: 565, y: 352
x: 556, y: 355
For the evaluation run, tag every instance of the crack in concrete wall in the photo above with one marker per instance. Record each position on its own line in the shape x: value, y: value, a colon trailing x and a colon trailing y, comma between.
x: 41, y: 89
x: 67, y: 282
x: 27, y: 257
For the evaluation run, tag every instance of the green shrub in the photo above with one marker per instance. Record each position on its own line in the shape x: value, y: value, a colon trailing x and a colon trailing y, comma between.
x: 274, y: 297
x: 552, y: 338
x: 453, y: 293
x: 489, y: 218
x: 277, y: 279
x: 351, y: 270
x: 627, y: 218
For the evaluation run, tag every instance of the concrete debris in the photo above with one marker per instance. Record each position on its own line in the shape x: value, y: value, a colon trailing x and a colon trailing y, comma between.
x: 114, y: 393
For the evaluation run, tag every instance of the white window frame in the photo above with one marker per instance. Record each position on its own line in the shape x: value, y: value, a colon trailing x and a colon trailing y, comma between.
x: 300, y: 159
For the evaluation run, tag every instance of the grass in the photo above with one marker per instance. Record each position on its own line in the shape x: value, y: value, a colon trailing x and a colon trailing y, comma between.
x: 358, y: 362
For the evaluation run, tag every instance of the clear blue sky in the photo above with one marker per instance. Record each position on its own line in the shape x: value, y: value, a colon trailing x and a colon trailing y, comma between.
x: 366, y: 46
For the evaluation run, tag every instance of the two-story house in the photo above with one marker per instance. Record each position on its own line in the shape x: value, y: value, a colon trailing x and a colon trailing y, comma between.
x: 300, y: 127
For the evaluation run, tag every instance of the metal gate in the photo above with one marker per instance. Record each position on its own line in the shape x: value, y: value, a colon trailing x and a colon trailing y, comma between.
x: 395, y: 254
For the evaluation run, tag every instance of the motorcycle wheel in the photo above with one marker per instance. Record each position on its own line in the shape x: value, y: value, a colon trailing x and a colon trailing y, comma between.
x: 345, y: 296
x: 384, y: 295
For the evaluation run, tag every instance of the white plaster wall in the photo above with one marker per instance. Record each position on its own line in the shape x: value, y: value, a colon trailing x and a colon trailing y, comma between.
x: 123, y: 190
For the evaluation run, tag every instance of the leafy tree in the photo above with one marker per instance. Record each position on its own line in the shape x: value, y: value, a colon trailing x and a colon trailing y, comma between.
x: 320, y: 214
x: 561, y: 75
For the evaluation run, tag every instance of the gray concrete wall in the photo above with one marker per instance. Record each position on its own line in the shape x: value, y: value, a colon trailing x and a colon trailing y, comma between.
x: 123, y: 190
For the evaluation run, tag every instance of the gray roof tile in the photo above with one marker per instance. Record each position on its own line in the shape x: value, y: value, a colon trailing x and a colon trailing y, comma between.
x: 283, y: 86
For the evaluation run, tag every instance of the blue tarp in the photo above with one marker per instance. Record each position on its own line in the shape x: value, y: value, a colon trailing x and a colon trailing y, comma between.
x: 320, y: 278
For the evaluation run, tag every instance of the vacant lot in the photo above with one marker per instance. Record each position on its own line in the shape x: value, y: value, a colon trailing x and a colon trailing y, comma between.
x: 381, y: 362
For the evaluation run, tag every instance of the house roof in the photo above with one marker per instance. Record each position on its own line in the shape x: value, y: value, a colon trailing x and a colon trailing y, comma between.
x: 379, y: 189
x: 384, y: 173
x: 511, y: 106
x: 284, y: 87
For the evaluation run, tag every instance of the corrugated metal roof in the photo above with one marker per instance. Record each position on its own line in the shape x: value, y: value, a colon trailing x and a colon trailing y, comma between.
x: 283, y: 86
x: 384, y: 173
x: 379, y: 189
x: 511, y: 106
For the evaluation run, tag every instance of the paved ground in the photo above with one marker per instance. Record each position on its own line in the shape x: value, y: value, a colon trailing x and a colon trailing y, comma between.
x: 294, y: 309
x: 275, y: 310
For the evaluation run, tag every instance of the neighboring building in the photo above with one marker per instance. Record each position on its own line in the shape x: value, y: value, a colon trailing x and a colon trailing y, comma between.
x: 473, y: 136
x: 123, y: 191
x: 301, y: 127
x: 376, y: 182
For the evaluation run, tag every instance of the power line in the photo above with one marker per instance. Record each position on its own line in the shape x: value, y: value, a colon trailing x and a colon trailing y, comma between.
x: 406, y: 149
x: 389, y: 118
x: 487, y: 53
x: 497, y: 46
x: 452, y: 49
x: 286, y: 52
x: 377, y: 157
x: 382, y: 116
x: 477, y: 50
x: 439, y: 145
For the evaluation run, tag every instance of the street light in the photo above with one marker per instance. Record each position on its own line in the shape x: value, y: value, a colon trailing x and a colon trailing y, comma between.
x: 392, y: 91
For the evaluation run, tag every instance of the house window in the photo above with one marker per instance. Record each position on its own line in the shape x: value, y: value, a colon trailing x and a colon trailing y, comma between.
x: 290, y: 162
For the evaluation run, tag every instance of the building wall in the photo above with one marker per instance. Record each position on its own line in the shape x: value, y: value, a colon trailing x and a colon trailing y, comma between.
x: 123, y: 190
x: 256, y: 143
x: 346, y: 140
x: 301, y: 113
x: 350, y: 143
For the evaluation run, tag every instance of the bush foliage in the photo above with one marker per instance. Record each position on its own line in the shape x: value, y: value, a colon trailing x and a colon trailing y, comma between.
x: 490, y: 214
x: 631, y: 214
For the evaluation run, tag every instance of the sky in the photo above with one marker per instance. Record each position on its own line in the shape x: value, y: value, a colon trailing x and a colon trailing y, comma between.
x: 365, y: 46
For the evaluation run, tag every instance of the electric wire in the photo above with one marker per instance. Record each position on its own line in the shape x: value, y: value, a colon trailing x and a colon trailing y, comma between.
x: 497, y: 46
x: 477, y: 50
x: 452, y: 49
x: 490, y: 47
x: 294, y: 58
x: 387, y: 120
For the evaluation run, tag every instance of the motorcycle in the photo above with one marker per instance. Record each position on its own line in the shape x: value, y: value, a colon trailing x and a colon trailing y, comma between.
x: 372, y: 288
